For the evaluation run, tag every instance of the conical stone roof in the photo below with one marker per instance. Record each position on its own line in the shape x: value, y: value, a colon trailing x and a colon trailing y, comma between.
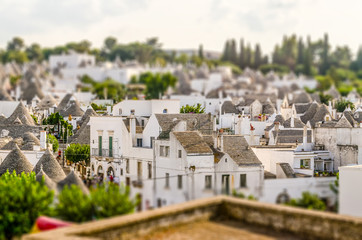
x: 30, y: 137
x: 47, y: 181
x: 4, y: 95
x: 47, y: 102
x: 23, y: 114
x: 17, y: 161
x: 73, y: 179
x: 50, y: 166
x: 12, y: 144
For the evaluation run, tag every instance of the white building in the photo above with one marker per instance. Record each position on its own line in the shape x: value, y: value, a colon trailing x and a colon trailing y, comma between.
x: 72, y: 60
x: 350, y: 196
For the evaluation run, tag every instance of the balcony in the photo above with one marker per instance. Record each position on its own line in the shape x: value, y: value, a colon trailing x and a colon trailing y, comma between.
x: 137, y: 183
x: 96, y: 152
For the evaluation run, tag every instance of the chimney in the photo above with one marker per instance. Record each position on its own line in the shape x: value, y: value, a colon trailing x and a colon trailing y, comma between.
x: 43, y: 139
x: 214, y: 124
x: 252, y: 137
x: 330, y: 108
x: 109, y: 110
x: 132, y: 126
x: 222, y: 143
x: 292, y: 120
x: 305, y: 137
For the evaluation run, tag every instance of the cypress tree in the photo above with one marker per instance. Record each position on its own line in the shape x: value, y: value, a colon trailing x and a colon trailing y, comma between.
x: 248, y: 62
x: 242, y: 55
x: 257, y: 56
x: 226, y: 53
x: 324, y: 66
x: 233, y: 52
x: 300, y: 57
x: 201, y: 51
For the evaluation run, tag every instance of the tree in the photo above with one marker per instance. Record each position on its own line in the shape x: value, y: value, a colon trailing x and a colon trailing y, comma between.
x: 226, y: 53
x: 325, y: 64
x: 109, y: 89
x: 242, y: 55
x: 257, y: 57
x: 16, y: 44
x: 201, y: 51
x: 233, y: 52
x: 110, y: 43
x: 74, y: 205
x: 104, y: 201
x: 325, y: 98
x: 34, y: 52
x: 156, y: 84
x: 307, y: 65
x: 192, y: 109
x: 342, y: 104
x: 22, y: 201
x: 248, y: 60
x: 78, y: 153
x: 300, y: 58
x: 309, y: 201
x: 54, y: 141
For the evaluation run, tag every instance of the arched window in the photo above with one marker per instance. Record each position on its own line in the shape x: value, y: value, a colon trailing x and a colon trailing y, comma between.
x: 110, y: 172
x: 120, y: 111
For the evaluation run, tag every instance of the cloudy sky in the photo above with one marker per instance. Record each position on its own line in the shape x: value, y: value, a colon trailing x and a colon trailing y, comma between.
x: 180, y: 24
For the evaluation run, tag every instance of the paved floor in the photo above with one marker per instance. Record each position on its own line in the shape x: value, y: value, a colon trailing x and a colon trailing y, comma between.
x: 222, y: 230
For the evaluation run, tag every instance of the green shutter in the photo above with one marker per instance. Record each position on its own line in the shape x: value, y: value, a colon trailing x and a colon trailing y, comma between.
x: 100, y: 145
x: 111, y: 146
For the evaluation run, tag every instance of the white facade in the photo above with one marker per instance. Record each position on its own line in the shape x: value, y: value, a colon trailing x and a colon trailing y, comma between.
x: 350, y: 195
x: 145, y: 107
x: 72, y: 60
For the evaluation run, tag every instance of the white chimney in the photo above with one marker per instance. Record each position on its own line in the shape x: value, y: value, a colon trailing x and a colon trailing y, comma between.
x: 43, y: 139
x: 222, y: 143
x: 109, y: 109
x: 305, y: 136
x: 252, y: 137
x: 292, y: 120
x: 214, y: 124
x: 132, y: 126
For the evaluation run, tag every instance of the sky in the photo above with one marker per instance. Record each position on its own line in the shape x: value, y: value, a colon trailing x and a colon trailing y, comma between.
x: 180, y: 24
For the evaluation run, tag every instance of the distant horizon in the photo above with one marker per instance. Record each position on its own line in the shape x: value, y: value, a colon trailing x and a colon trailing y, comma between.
x: 179, y: 25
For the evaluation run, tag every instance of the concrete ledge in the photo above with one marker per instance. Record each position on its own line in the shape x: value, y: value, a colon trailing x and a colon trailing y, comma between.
x: 311, y: 224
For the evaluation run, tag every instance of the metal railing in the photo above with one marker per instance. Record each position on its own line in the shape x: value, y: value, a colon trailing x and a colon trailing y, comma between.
x: 102, y: 152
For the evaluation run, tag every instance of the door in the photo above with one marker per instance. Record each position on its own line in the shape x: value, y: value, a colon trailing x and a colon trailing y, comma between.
x: 225, y: 184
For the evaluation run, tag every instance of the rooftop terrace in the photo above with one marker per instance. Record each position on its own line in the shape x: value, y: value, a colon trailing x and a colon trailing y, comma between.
x: 216, y: 218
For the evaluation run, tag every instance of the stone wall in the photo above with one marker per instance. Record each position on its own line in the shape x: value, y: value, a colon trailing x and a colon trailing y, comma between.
x: 300, y: 222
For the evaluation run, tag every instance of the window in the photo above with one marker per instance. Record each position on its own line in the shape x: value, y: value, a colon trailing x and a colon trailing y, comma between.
x: 139, y: 170
x: 305, y: 163
x: 132, y: 111
x: 127, y: 165
x: 100, y: 145
x: 165, y: 110
x: 179, y: 153
x: 128, y: 181
x: 208, y: 183
x: 162, y: 150
x: 167, y: 151
x: 226, y: 160
x: 139, y: 142
x: 110, y: 146
x: 149, y: 168
x: 242, y: 180
x: 167, y: 183
x: 120, y: 111
x: 143, y: 123
x: 179, y: 181
x: 121, y: 171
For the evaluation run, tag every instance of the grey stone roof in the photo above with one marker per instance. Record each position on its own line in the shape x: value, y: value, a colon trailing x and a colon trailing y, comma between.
x: 193, y: 143
x: 328, y: 124
x: 215, y: 93
x: 333, y: 92
x: 184, y: 82
x: 321, y: 112
x: 73, y: 109
x: 50, y: 166
x: 238, y: 149
x: 291, y: 136
x: 349, y: 117
x: 82, y: 135
x: 229, y: 107
x: 64, y: 102
x: 297, y: 123
x: 268, y: 108
x: 302, y: 107
x: 309, y: 114
x: 279, y: 118
x: 16, y: 131
x: 287, y: 169
x: 30, y: 137
x: 4, y: 95
x: 23, y: 114
x: 47, y: 181
x: 72, y: 179
x: 200, y: 122
x: 33, y: 89
x: 47, y: 102
x: 343, y: 123
x: 12, y: 144
x: 17, y: 161
x: 302, y: 97
x: 315, y: 97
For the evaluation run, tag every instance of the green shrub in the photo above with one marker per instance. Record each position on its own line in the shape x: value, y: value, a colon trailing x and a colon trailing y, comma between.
x: 22, y: 201
x: 54, y: 141
x: 78, y: 153
x: 309, y: 201
x: 104, y: 201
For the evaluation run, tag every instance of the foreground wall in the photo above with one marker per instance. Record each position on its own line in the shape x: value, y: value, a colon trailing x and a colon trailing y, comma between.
x: 301, y: 222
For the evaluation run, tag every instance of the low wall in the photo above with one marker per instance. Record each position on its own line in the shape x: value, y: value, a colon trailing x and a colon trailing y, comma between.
x: 301, y: 222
